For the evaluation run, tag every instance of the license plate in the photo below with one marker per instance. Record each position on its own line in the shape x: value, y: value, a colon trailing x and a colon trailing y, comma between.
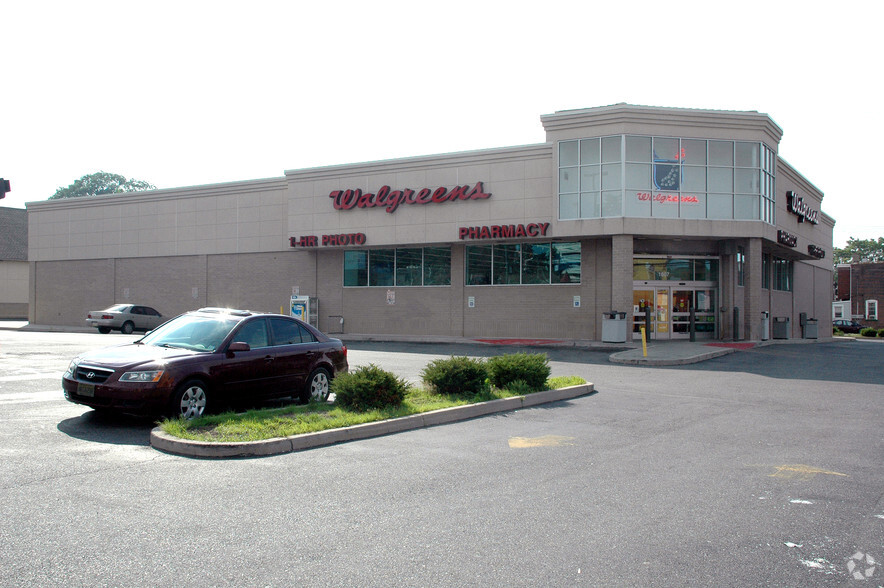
x: 94, y: 324
x: 85, y: 389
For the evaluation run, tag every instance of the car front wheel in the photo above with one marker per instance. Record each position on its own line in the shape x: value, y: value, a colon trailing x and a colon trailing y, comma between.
x: 317, y: 386
x: 191, y: 400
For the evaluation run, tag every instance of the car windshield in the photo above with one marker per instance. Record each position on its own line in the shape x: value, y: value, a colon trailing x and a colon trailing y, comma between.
x: 195, y: 332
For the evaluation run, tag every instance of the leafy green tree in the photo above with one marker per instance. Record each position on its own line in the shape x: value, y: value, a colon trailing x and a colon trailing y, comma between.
x: 101, y: 183
x: 865, y: 249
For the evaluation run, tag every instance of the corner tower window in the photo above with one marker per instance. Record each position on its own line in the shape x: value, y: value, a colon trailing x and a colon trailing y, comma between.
x: 666, y: 177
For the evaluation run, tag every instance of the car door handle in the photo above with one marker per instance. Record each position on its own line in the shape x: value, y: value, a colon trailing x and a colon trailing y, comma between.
x: 269, y: 358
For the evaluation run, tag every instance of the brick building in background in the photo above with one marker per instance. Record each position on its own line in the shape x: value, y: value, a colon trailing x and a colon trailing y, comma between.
x: 859, y: 292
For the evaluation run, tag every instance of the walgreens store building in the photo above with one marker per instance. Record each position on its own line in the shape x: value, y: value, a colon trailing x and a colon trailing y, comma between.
x: 623, y: 208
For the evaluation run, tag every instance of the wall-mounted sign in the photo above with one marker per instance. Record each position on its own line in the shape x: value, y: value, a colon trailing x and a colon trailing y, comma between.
x: 328, y: 240
x: 787, y: 239
x: 815, y: 251
x: 391, y: 199
x: 661, y: 198
x: 797, y: 206
x: 504, y: 231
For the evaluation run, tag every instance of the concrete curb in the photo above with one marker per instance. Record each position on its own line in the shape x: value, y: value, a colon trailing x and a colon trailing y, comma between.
x: 629, y: 358
x: 169, y: 444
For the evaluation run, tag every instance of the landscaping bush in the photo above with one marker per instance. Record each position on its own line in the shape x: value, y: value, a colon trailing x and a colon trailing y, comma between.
x: 459, y: 376
x: 531, y: 369
x: 868, y: 332
x: 368, y: 388
x: 881, y: 332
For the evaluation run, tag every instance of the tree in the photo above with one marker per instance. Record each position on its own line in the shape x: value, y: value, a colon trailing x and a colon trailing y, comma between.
x: 864, y: 249
x: 101, y: 183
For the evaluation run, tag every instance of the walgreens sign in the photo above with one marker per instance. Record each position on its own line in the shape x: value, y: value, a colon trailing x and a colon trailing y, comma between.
x: 390, y: 199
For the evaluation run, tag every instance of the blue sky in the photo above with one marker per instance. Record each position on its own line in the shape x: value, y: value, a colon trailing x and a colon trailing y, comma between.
x: 189, y: 93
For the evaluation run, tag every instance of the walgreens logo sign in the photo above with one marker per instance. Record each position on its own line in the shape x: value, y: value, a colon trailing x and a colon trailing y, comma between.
x: 390, y: 199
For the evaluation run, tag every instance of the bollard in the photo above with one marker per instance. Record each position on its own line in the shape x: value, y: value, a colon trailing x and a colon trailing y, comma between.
x: 736, y: 324
x: 693, y: 325
x: 648, y: 322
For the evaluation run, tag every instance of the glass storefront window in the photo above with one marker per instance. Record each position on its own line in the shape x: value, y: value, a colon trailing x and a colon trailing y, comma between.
x: 569, y: 180
x: 611, y: 176
x: 506, y: 264
x: 612, y: 203
x: 523, y: 263
x: 535, y: 263
x: 566, y: 262
x: 437, y: 266
x: 429, y: 266
x: 666, y: 177
x: 666, y: 149
x: 478, y: 264
x: 747, y: 181
x: 706, y: 270
x: 590, y: 151
x: 720, y: 206
x: 638, y: 176
x: 746, y: 154
x: 408, y: 267
x: 693, y: 151
x: 567, y: 153
x: 569, y: 206
x: 638, y: 148
x: 356, y: 268
x: 720, y: 179
x: 590, y: 178
x: 746, y: 206
x: 611, y: 149
x: 685, y: 269
x: 721, y: 153
x: 692, y: 206
x: 590, y: 205
x: 693, y: 178
x: 381, y: 267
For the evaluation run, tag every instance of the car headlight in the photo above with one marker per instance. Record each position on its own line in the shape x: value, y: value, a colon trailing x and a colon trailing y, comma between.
x: 145, y: 376
x: 72, y: 368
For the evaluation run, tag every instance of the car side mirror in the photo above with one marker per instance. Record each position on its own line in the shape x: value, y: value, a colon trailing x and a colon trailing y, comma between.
x: 239, y: 346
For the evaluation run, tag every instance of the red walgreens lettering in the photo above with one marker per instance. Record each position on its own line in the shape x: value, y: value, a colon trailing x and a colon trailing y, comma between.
x: 392, y: 199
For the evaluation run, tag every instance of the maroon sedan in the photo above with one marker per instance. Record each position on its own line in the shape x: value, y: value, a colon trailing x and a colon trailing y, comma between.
x: 208, y: 359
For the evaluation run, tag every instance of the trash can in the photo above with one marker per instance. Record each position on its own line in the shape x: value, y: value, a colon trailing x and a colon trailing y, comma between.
x: 765, y: 325
x: 781, y: 327
x: 614, y: 327
x: 811, y: 329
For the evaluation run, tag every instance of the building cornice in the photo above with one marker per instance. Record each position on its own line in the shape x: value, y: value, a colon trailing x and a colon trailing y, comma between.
x: 651, y: 116
x: 445, y: 160
x: 245, y: 187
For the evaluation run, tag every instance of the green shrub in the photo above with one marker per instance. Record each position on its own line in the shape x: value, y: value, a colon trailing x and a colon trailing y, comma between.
x: 837, y: 332
x: 881, y: 332
x: 868, y: 332
x: 530, y: 368
x: 458, y: 376
x: 368, y: 388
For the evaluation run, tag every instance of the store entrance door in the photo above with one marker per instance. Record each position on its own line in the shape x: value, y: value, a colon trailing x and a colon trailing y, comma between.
x: 671, y: 311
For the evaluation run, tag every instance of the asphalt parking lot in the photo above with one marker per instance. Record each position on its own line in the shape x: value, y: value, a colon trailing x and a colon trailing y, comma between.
x: 763, y: 467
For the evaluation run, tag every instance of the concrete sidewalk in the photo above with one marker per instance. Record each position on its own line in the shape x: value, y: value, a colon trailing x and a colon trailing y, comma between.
x: 659, y: 353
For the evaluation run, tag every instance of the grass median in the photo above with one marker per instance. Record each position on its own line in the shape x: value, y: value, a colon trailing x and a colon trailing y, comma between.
x: 270, y: 423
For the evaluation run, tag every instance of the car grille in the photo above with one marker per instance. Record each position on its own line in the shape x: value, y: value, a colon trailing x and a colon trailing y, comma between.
x: 92, y: 375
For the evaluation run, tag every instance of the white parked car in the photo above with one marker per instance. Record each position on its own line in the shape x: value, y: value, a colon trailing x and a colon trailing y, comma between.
x: 125, y: 317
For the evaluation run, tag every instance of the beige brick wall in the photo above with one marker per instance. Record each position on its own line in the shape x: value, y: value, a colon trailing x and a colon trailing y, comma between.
x: 14, y: 280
